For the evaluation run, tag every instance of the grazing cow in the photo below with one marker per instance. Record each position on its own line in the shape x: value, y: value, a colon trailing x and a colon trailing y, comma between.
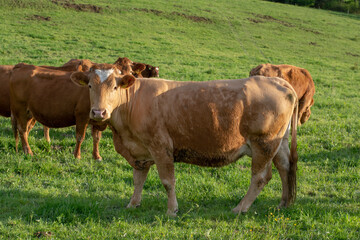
x: 156, y: 121
x: 50, y: 97
x: 299, y: 78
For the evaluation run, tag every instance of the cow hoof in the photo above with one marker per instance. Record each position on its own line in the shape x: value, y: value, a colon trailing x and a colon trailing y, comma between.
x: 133, y: 205
x: 99, y: 159
x: 171, y: 213
x: 283, y: 204
x: 237, y: 210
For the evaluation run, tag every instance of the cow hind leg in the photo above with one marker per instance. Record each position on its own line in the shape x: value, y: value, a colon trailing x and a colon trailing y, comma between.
x: 139, y: 180
x: 281, y: 161
x: 287, y: 171
x: 15, y: 131
x: 23, y: 128
x: 261, y: 172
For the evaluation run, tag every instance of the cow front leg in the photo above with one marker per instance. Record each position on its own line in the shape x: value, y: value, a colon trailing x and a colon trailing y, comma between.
x: 80, y: 136
x: 96, y: 135
x: 139, y: 177
x: 46, y: 134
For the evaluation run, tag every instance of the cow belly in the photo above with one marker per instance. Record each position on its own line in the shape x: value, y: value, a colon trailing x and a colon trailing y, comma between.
x: 195, y: 157
x: 55, y: 121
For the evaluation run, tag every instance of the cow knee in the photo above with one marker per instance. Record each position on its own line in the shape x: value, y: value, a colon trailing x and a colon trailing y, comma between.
x: 167, y: 184
x: 263, y: 178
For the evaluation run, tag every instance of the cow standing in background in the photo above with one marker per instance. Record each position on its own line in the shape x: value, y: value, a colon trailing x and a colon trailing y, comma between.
x: 139, y: 70
x: 149, y: 71
x: 50, y: 97
x: 5, y: 72
x: 156, y: 121
x: 299, y: 78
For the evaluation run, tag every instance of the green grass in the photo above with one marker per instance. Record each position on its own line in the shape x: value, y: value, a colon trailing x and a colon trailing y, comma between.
x: 84, y: 199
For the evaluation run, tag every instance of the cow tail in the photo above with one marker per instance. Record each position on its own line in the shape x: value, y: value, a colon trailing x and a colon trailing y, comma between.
x: 15, y: 131
x: 293, y: 156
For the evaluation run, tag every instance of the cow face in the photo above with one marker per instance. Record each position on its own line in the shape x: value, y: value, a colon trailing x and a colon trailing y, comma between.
x: 304, y: 116
x: 154, y: 71
x: 106, y: 86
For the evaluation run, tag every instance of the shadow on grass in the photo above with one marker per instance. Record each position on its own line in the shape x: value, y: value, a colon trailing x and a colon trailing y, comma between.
x: 68, y: 209
x: 339, y: 158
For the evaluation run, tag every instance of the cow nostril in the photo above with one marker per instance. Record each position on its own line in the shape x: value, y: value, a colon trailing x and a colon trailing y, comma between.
x: 103, y: 113
x: 93, y: 112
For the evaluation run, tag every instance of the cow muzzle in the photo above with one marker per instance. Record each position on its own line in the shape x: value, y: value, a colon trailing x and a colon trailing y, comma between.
x: 99, y: 114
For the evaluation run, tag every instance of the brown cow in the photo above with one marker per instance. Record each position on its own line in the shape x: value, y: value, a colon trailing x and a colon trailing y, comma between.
x: 299, y: 78
x: 149, y: 71
x: 137, y: 69
x: 82, y: 65
x: 5, y: 71
x: 124, y: 65
x: 156, y: 121
x: 54, y: 100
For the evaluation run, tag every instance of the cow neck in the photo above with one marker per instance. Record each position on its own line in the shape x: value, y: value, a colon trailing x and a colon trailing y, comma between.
x: 127, y: 101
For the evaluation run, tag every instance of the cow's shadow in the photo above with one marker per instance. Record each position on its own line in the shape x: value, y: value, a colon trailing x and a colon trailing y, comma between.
x: 334, y: 159
x: 32, y: 206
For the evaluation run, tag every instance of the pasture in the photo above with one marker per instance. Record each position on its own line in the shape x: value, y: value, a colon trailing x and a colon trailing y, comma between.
x: 54, y: 195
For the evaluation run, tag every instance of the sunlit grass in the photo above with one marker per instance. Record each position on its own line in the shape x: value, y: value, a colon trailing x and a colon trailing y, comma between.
x: 82, y: 199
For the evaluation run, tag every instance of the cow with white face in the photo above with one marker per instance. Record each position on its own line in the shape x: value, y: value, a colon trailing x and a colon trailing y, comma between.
x: 156, y: 121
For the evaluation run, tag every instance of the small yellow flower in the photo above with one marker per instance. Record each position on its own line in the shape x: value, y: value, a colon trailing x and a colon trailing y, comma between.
x: 275, y: 219
x: 294, y: 224
x: 287, y: 218
x: 250, y: 230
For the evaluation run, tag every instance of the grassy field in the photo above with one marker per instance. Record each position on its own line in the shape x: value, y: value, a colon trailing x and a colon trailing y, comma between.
x: 189, y: 40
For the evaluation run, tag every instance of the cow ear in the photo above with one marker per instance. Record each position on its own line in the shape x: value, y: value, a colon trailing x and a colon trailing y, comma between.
x: 80, y: 78
x: 126, y: 81
x: 138, y: 68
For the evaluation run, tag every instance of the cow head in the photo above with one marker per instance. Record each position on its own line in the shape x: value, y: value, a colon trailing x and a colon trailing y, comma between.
x: 305, y: 115
x: 85, y: 65
x: 124, y: 65
x: 105, y: 84
x: 154, y: 71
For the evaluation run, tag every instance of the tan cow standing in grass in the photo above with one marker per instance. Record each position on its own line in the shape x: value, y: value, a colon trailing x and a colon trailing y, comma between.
x: 299, y: 78
x: 156, y: 121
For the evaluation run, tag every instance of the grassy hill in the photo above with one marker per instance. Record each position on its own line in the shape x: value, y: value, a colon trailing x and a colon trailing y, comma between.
x: 188, y: 40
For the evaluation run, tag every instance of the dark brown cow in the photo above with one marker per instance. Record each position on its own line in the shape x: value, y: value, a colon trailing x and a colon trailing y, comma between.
x: 299, y: 78
x: 149, y: 71
x: 54, y: 100
x: 156, y: 121
x: 5, y: 72
x: 137, y: 70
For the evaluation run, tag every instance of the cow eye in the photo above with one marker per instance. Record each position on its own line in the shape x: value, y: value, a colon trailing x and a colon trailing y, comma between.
x: 89, y: 86
x: 115, y: 87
